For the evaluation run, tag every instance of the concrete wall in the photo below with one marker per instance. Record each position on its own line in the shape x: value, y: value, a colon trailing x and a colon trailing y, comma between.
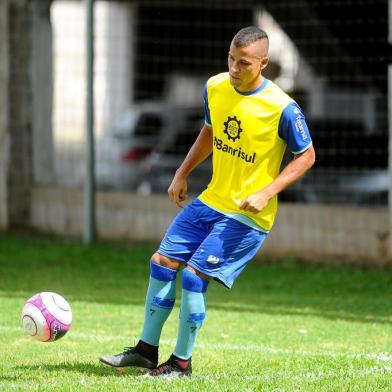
x: 19, y: 180
x: 42, y: 91
x: 316, y: 230
x: 4, y: 136
x: 25, y: 88
x: 15, y: 112
x: 358, y: 234
x: 113, y: 67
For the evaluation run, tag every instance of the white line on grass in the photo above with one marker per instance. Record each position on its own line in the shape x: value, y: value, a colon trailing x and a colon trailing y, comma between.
x: 255, y: 348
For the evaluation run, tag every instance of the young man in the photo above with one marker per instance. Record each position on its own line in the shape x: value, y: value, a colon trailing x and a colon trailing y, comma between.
x: 249, y: 122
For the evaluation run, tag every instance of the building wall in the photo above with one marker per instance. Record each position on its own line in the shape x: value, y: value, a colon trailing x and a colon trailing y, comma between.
x: 19, y: 180
x: 305, y: 230
x: 25, y: 88
x: 4, y: 136
x: 42, y: 91
x: 15, y: 112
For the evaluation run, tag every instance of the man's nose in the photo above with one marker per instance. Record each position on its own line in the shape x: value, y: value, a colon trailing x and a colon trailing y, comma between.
x: 234, y: 67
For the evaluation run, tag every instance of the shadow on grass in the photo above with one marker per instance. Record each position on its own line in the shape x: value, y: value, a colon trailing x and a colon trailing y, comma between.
x: 326, y: 312
x: 4, y: 377
x: 83, y: 368
x: 107, y: 273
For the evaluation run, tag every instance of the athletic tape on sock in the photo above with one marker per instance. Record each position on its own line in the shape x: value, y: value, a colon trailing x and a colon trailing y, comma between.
x: 192, y: 282
x: 162, y: 273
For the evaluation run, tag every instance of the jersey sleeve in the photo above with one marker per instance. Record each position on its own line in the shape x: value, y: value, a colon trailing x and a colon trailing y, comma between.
x: 293, y: 129
x: 207, y: 117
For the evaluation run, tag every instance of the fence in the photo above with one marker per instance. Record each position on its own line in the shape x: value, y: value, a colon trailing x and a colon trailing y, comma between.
x: 151, y: 61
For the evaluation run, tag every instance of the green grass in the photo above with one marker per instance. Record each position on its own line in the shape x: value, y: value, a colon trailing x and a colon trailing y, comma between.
x: 283, y: 327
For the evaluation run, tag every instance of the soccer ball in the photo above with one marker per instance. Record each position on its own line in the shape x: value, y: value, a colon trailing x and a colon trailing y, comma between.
x: 46, y: 316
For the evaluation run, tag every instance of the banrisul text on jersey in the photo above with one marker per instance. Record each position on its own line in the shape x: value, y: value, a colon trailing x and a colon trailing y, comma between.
x: 235, y: 152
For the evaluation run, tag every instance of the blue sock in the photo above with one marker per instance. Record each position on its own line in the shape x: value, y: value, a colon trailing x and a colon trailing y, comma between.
x: 192, y: 313
x: 161, y: 295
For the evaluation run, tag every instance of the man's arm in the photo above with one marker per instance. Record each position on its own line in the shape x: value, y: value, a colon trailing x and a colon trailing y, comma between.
x: 291, y: 173
x: 200, y: 150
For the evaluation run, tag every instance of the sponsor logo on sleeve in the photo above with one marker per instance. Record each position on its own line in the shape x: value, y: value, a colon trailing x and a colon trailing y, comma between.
x: 299, y: 126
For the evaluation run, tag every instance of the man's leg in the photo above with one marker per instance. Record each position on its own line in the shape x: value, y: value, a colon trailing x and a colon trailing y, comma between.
x: 160, y: 300
x: 185, y: 234
x: 192, y: 312
x: 192, y: 315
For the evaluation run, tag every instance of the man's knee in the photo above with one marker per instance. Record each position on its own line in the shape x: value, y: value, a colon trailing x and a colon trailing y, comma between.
x: 193, y: 282
x: 198, y: 273
x: 165, y: 261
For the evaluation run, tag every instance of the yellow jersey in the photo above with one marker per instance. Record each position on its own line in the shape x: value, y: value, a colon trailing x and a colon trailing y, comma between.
x: 250, y: 133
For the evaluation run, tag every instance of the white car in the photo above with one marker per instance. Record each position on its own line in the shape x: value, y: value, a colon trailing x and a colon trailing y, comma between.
x: 125, y: 146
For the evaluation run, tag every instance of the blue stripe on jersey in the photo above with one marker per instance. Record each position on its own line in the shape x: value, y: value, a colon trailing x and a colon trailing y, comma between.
x: 256, y: 90
x: 293, y: 129
x: 207, y: 117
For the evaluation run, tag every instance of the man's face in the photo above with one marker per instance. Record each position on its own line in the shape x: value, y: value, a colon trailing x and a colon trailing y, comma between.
x: 246, y: 63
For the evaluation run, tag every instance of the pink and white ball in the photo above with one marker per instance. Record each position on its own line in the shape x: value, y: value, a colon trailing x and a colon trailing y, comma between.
x: 46, y: 316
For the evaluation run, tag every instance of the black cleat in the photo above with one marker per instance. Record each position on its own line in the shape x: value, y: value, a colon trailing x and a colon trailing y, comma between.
x: 172, y: 368
x: 130, y: 357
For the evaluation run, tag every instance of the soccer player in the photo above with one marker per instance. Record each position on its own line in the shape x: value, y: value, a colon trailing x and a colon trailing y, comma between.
x: 249, y: 122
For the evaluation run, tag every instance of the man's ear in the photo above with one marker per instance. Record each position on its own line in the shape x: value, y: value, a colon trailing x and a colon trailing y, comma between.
x: 264, y: 63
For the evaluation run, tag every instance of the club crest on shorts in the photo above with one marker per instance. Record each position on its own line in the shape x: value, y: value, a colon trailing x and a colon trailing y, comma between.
x: 212, y: 259
x: 233, y: 128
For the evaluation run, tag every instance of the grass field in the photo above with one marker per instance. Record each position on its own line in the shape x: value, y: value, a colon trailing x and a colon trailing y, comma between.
x: 283, y: 327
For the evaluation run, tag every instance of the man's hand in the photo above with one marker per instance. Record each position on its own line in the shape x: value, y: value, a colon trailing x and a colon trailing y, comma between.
x: 300, y: 164
x: 199, y: 151
x: 178, y: 190
x: 255, y: 202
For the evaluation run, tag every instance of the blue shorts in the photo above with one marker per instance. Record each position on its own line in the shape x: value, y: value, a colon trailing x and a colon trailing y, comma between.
x: 211, y: 242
